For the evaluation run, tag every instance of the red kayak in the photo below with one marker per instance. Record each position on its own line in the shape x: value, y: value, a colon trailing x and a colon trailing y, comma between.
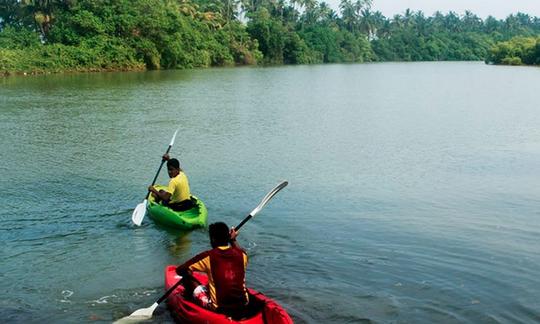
x: 261, y: 309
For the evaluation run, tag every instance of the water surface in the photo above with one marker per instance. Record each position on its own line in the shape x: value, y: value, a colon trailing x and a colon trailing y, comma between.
x: 413, y: 196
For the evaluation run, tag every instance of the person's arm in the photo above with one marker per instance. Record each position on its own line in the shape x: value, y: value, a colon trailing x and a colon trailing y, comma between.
x: 233, y: 234
x: 199, y: 262
x: 163, y: 195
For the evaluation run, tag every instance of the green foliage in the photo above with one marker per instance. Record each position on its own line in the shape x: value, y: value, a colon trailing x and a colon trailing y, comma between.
x: 296, y: 51
x: 18, y: 38
x: 93, y: 35
x: 324, y: 42
x: 113, y: 34
x: 232, y: 45
x: 270, y: 34
x: 355, y: 48
x: 516, y: 51
x: 420, y: 42
x: 92, y: 56
x: 512, y: 61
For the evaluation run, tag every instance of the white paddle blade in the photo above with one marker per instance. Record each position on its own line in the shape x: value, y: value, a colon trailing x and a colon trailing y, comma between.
x: 173, y: 138
x: 138, y: 315
x: 138, y: 213
x: 268, y: 196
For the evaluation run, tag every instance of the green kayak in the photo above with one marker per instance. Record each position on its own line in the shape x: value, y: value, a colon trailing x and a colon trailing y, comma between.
x: 188, y: 219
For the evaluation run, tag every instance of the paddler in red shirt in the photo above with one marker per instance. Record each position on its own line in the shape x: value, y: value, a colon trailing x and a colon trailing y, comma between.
x: 225, y: 265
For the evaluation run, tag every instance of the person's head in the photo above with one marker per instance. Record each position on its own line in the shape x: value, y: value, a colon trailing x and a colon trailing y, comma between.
x: 173, y: 167
x: 219, y: 234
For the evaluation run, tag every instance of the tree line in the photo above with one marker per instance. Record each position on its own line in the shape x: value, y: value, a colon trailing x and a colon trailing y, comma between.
x: 94, y: 35
x: 517, y: 51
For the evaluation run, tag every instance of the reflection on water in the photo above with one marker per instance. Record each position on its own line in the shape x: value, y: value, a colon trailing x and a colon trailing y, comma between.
x: 180, y: 247
x: 413, y: 191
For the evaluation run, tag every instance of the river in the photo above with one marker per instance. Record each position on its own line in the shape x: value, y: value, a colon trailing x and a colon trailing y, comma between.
x: 413, y: 197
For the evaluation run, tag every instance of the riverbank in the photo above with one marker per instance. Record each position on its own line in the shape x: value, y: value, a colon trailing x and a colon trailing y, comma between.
x: 39, y: 71
x: 57, y: 58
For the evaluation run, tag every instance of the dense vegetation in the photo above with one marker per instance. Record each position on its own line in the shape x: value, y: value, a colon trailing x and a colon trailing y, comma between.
x: 517, y: 51
x: 87, y: 35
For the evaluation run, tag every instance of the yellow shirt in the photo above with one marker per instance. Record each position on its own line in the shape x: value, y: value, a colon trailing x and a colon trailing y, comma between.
x: 179, y: 188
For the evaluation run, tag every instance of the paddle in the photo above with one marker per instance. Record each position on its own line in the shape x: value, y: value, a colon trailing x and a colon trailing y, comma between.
x: 140, y: 210
x: 146, y: 313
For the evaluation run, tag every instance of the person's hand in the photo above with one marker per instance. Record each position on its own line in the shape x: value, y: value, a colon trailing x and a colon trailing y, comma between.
x: 233, y: 234
x: 152, y: 189
x: 166, y: 157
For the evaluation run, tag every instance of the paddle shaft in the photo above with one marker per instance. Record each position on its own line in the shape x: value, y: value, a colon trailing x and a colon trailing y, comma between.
x: 169, y: 291
x: 248, y: 217
x: 159, y: 170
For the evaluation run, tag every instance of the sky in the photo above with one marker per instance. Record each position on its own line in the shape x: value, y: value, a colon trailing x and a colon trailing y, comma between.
x: 498, y: 8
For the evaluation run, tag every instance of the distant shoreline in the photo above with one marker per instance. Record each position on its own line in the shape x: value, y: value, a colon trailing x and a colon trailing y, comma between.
x: 36, y: 73
x: 7, y: 74
x: 82, y: 37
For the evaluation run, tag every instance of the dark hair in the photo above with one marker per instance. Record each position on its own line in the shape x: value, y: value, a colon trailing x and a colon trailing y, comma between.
x: 173, y: 163
x: 219, y: 234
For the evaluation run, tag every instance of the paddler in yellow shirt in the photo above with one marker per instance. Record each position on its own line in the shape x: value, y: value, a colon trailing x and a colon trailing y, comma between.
x: 177, y: 196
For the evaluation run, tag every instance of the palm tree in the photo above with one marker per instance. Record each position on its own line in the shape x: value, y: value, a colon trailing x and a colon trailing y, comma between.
x: 437, y: 21
x: 397, y: 22
x: 348, y: 14
x: 491, y: 24
x: 452, y: 22
x: 379, y: 23
x: 471, y: 22
x: 42, y: 12
x: 511, y: 23
x: 188, y: 8
x: 408, y: 18
x: 251, y: 6
x: 420, y: 22
x: 326, y: 14
x: 230, y: 9
x: 10, y: 13
x: 367, y: 24
x: 360, y: 5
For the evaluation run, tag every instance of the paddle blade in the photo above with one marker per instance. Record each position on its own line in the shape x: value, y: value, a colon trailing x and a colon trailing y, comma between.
x: 139, y: 213
x: 268, y: 196
x: 138, y: 315
x: 173, y: 138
